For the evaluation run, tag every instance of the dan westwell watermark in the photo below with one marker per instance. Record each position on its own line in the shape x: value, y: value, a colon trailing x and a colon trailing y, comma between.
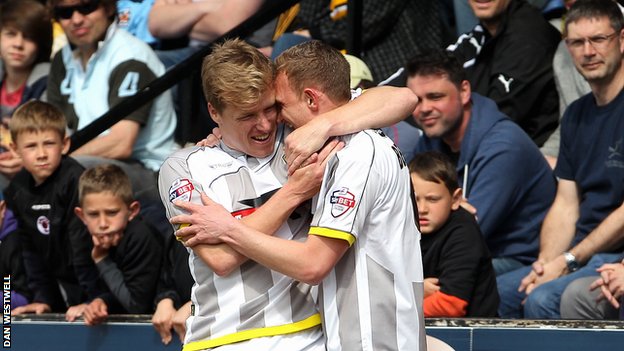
x: 6, y: 312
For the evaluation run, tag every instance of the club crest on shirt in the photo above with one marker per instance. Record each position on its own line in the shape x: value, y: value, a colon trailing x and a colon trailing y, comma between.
x: 181, y: 189
x: 41, y: 207
x: 341, y: 202
x: 123, y: 17
x: 43, y: 225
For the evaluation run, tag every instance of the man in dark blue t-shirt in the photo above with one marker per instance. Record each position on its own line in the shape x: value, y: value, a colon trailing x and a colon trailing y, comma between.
x: 583, y: 228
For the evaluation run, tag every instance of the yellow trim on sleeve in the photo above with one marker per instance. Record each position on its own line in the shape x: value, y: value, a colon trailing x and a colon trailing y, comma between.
x: 183, y: 225
x: 244, y: 335
x: 333, y: 233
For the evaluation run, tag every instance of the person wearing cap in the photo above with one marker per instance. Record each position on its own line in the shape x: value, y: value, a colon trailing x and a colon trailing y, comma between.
x: 361, y: 76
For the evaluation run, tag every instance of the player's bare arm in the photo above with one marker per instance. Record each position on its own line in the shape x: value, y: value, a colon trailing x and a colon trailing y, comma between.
x: 268, y: 218
x: 308, y: 262
x: 376, y: 108
x: 300, y: 187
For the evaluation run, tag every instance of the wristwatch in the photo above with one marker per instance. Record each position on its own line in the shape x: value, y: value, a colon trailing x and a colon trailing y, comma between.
x: 571, y: 261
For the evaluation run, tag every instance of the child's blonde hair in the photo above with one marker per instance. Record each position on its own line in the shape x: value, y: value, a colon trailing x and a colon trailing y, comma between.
x: 105, y: 178
x: 37, y: 116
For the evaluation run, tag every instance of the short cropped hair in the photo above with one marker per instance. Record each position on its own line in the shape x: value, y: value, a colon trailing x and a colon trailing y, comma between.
x: 110, y: 6
x: 437, y: 62
x: 31, y: 18
x: 591, y: 9
x: 434, y: 166
x: 37, y: 116
x: 105, y: 178
x: 314, y: 63
x: 236, y: 74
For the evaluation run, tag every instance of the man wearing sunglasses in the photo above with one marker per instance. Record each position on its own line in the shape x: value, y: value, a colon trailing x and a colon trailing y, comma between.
x: 101, y: 66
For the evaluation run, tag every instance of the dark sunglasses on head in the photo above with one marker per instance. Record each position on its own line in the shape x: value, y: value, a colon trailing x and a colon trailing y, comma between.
x: 85, y: 8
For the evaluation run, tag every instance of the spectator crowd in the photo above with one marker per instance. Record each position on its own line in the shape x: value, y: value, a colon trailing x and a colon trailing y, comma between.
x: 507, y: 197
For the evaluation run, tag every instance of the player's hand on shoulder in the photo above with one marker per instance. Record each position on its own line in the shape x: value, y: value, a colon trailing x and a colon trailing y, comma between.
x: 328, y: 151
x: 211, y: 140
x: 306, y: 181
x: 304, y: 141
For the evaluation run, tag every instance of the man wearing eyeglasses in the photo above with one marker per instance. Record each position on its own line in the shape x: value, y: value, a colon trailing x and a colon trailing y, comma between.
x: 584, y: 227
x: 101, y: 66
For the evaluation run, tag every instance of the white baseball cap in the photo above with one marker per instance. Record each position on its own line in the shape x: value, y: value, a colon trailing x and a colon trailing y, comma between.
x: 359, y: 70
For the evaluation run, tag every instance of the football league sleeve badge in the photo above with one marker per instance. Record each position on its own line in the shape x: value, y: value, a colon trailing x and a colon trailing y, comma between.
x: 181, y: 190
x: 341, y: 201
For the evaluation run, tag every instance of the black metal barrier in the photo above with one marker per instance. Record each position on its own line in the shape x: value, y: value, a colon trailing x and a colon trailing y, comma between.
x: 354, y: 27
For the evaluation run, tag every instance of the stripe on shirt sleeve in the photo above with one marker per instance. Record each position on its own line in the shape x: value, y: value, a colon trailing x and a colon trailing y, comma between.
x: 333, y: 233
